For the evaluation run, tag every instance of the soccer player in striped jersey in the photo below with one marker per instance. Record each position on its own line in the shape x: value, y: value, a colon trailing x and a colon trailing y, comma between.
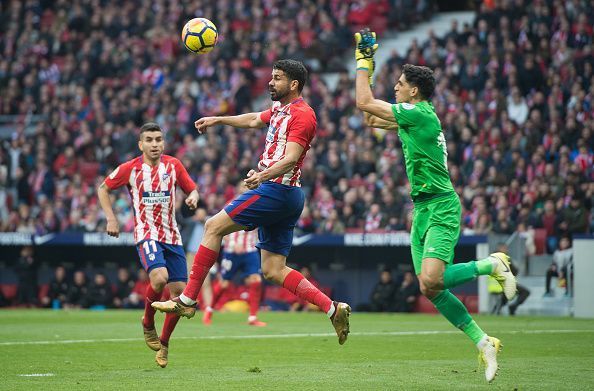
x: 151, y: 180
x: 274, y: 200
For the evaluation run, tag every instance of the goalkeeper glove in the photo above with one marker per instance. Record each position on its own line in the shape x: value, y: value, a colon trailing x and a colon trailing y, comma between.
x: 365, y: 50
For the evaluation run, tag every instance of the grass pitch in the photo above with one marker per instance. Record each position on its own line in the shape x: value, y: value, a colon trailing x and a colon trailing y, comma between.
x: 54, y: 350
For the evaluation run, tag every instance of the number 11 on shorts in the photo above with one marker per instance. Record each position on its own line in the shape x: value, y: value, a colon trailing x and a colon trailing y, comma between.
x: 148, y: 246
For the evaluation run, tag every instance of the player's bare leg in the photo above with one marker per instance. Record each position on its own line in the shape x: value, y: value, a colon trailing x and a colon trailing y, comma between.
x: 214, y: 229
x: 275, y: 269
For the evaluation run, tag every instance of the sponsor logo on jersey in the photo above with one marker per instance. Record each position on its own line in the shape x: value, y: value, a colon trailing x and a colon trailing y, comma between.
x: 156, y: 197
x: 271, y: 132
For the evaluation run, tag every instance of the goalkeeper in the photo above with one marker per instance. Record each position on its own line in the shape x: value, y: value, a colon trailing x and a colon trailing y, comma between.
x: 437, y: 211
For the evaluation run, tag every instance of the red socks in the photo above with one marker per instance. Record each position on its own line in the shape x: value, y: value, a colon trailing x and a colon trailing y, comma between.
x: 255, y: 293
x: 203, y: 261
x: 299, y: 286
x: 168, y: 326
x: 149, y: 312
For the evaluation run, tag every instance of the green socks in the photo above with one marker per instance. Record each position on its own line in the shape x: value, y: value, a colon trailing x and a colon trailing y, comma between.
x: 460, y: 273
x: 455, y: 312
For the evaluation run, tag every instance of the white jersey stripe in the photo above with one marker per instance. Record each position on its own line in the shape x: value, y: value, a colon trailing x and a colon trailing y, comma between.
x: 166, y: 209
x: 147, y: 186
x: 138, y: 226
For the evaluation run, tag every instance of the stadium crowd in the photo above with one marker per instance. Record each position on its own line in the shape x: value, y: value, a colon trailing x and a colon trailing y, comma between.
x: 515, y: 95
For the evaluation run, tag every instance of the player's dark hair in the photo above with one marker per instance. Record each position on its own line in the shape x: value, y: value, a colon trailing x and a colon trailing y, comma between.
x: 149, y: 127
x: 295, y: 70
x: 420, y: 77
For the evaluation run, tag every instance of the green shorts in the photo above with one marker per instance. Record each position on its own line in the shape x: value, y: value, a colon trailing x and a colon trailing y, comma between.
x: 435, y: 229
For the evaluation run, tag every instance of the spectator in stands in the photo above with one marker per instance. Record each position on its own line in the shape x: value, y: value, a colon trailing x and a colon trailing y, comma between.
x: 407, y: 293
x: 100, y: 294
x: 136, y: 298
x: 124, y: 287
x: 58, y: 290
x: 384, y: 293
x: 574, y: 217
x: 27, y: 274
x: 78, y: 294
x: 561, y: 266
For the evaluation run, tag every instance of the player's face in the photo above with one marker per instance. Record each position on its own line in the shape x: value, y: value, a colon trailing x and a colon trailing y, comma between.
x: 403, y: 90
x: 152, y: 144
x: 280, y: 85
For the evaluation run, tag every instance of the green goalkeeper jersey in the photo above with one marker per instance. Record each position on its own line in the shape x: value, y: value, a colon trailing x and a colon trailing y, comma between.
x: 424, y: 148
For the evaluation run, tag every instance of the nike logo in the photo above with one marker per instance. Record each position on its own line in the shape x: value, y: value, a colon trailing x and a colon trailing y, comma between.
x: 505, y: 266
x: 302, y: 239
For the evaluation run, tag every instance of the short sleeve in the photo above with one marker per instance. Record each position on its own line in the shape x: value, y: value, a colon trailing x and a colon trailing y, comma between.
x: 266, y: 115
x: 302, y: 130
x: 183, y: 178
x: 120, y: 176
x: 405, y: 114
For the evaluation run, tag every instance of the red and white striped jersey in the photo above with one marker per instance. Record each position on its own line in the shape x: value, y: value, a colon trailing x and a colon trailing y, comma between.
x: 294, y: 122
x: 241, y: 242
x: 153, y: 196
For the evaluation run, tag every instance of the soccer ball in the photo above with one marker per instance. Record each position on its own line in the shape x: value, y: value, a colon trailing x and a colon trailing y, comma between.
x: 199, y: 35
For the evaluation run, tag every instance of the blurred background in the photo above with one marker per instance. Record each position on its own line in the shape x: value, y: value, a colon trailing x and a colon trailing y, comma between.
x: 515, y: 96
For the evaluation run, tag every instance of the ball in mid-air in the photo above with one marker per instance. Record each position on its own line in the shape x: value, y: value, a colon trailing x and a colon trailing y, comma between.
x: 199, y: 35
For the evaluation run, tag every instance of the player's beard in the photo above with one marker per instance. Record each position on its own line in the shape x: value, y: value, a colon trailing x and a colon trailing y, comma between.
x: 278, y: 95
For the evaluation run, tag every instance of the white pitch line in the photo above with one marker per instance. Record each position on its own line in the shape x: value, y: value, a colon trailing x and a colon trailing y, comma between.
x: 297, y: 335
x: 36, y: 374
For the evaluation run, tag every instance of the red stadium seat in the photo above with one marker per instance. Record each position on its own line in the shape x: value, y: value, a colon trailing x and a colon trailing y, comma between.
x: 424, y: 305
x: 9, y: 291
x: 471, y: 303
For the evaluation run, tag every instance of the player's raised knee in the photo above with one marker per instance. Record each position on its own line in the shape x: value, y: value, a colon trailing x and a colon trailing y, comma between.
x: 272, y: 274
x: 429, y: 286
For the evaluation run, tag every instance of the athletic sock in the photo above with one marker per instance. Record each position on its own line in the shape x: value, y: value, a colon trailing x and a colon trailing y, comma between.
x: 482, y: 343
x: 455, y: 312
x: 168, y: 326
x: 203, y: 261
x: 255, y: 294
x: 298, y: 285
x: 460, y: 273
x: 216, y: 295
x: 149, y: 312
x: 486, y: 266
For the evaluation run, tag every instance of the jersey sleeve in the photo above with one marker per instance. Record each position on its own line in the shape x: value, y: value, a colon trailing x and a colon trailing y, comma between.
x: 302, y: 130
x: 266, y: 115
x: 183, y: 178
x: 406, y: 114
x: 120, y: 176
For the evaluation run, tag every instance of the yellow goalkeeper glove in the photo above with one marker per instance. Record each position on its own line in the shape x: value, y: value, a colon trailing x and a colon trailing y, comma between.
x: 365, y: 49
